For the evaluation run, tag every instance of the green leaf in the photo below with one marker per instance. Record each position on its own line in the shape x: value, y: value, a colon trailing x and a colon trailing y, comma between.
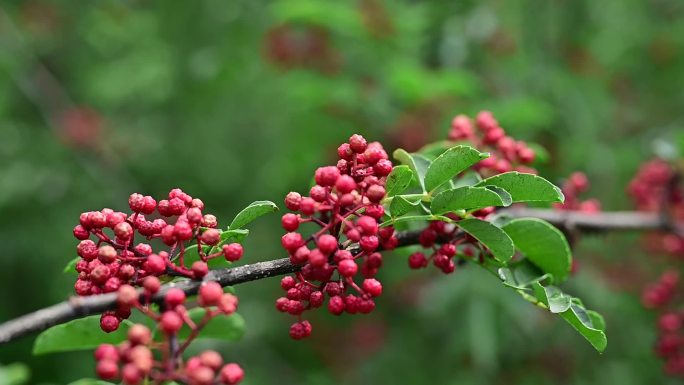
x: 401, y: 204
x: 91, y: 381
x: 521, y: 274
x: 581, y: 320
x: 223, y: 327
x: 252, y: 212
x: 79, y: 334
x: 415, y: 218
x: 416, y: 162
x: 71, y: 266
x: 491, y: 236
x: 464, y: 198
x: 552, y: 297
x: 398, y: 180
x: 525, y: 187
x: 14, y: 374
x: 451, y: 163
x: 543, y: 244
x: 506, y: 198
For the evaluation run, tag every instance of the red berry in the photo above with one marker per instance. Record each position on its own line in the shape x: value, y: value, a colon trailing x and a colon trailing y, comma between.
x: 292, y: 201
x: 151, y: 284
x: 210, y: 237
x: 417, y: 260
x: 317, y: 258
x: 106, y: 351
x: 300, y: 330
x: 382, y: 168
x: 127, y: 296
x: 170, y: 322
x: 287, y: 282
x: 347, y: 268
x: 131, y: 375
x: 107, y: 254
x: 327, y: 244
x: 231, y: 374
x: 233, y: 252
x: 369, y: 243
x: 87, y: 250
x: 345, y: 184
x: 327, y: 176
x: 318, y: 193
x: 155, y: 264
x: 211, y: 359
x: 139, y: 334
x: 228, y: 303
x: 372, y: 286
x: 109, y: 323
x: 107, y: 369
x: 210, y: 293
x: 292, y: 241
x: 174, y: 297
x: 316, y: 299
x: 336, y: 305
x: 199, y: 269
x: 375, y: 211
x: 345, y: 152
x: 81, y: 233
x: 136, y: 202
x: 368, y: 225
x: 290, y: 222
x: 375, y: 193
x: 358, y: 143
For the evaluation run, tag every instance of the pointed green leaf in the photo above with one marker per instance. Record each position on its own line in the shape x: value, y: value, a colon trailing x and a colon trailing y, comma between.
x: 491, y: 236
x: 416, y: 162
x: 525, y: 187
x: 506, y: 198
x: 398, y: 180
x: 581, y: 320
x: 543, y: 244
x: 71, y: 266
x: 464, y: 198
x: 521, y: 274
x: 252, y: 212
x: 401, y: 204
x: 552, y: 297
x: 79, y: 334
x: 451, y: 163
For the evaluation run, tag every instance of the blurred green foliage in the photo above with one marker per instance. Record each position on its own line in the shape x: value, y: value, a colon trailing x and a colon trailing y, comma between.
x: 242, y: 100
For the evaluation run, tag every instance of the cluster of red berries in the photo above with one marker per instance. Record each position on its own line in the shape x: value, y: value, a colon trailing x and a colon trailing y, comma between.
x: 346, y: 205
x: 444, y: 256
x: 133, y: 361
x: 670, y: 344
x: 114, y: 258
x: 506, y: 154
x: 576, y: 184
x: 303, y: 46
x: 656, y: 187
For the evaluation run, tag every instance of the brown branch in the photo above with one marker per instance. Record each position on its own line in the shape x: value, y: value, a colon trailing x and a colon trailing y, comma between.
x: 78, y: 307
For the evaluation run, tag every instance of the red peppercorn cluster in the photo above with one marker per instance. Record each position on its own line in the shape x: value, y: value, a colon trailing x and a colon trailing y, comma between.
x: 576, y: 184
x: 506, y: 153
x: 110, y: 256
x: 345, y: 205
x: 445, y: 256
x: 670, y: 344
x: 133, y: 361
x: 656, y: 187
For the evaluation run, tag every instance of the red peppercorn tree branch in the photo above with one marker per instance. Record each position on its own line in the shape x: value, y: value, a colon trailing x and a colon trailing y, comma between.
x: 458, y: 200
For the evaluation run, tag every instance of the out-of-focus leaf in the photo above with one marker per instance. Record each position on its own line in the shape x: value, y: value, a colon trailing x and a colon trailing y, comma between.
x: 79, y: 334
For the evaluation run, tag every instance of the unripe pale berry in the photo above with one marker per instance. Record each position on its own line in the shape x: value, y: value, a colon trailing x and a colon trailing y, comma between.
x: 123, y: 230
x: 107, y: 254
x: 209, y: 220
x: 131, y: 375
x: 228, y: 303
x: 233, y: 252
x: 211, y: 359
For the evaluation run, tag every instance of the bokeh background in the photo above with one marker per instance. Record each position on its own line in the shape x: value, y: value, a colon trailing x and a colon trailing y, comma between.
x: 241, y: 100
